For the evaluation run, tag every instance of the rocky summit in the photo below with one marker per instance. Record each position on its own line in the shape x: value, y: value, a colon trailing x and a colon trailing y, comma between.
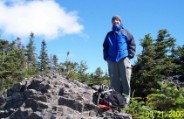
x: 52, y: 97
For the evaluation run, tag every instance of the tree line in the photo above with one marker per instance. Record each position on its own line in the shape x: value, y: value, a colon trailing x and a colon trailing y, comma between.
x: 18, y: 62
x: 157, y: 75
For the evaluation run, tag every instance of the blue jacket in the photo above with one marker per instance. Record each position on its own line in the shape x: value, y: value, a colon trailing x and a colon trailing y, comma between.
x: 118, y: 45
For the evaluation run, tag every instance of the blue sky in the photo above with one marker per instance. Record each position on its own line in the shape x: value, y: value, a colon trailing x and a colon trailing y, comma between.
x: 80, y: 26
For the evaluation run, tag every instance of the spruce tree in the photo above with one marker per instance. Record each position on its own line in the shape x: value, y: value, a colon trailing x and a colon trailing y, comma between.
x: 30, y: 53
x: 179, y: 59
x: 3, y: 52
x: 82, y: 67
x: 18, y: 43
x: 98, y: 72
x: 44, y: 60
x: 164, y: 51
x: 55, y: 62
x: 154, y: 64
x: 12, y: 63
x: 143, y: 76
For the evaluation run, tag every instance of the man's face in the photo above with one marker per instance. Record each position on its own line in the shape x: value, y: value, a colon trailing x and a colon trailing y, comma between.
x: 116, y: 22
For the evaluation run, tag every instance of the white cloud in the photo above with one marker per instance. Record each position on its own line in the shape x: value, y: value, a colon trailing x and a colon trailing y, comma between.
x: 44, y: 18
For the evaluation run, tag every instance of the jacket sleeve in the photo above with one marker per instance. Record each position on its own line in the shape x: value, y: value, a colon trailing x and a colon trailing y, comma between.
x: 131, y: 45
x: 105, y: 48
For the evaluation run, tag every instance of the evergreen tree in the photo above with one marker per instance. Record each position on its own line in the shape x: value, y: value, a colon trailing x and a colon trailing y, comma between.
x: 53, y: 63
x: 164, y: 51
x: 71, y: 70
x: 143, y: 76
x: 167, y: 98
x: 81, y: 71
x: 82, y: 67
x: 18, y: 43
x: 3, y: 45
x: 179, y: 59
x: 31, y: 55
x: 44, y: 60
x: 3, y: 51
x: 55, y: 60
x: 97, y: 78
x: 154, y: 64
x: 12, y: 65
x: 22, y: 52
x: 98, y: 72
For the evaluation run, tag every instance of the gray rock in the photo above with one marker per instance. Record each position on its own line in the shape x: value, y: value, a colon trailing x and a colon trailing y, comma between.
x: 35, y: 115
x: 35, y: 104
x: 35, y: 84
x: 21, y: 113
x: 53, y: 97
x: 71, y: 103
x: 42, y: 98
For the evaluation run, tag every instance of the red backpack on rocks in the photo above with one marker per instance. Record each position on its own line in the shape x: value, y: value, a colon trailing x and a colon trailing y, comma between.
x: 108, y: 98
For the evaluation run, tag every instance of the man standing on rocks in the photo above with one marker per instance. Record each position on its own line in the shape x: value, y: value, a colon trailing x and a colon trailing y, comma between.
x: 118, y: 48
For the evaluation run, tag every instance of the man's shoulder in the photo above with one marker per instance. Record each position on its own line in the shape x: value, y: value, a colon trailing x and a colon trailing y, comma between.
x: 124, y: 31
